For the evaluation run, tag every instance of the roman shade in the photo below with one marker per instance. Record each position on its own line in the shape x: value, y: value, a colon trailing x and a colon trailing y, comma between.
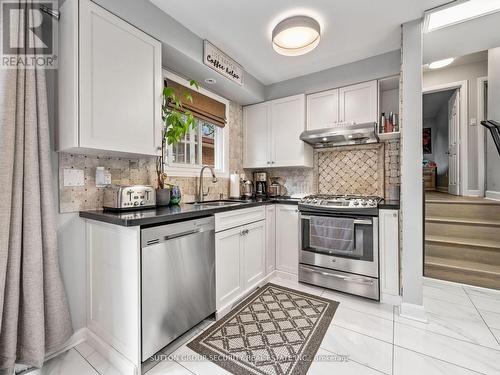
x: 202, y: 107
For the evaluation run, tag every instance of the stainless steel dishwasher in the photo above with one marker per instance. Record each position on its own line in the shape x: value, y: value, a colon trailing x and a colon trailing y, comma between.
x: 178, y: 280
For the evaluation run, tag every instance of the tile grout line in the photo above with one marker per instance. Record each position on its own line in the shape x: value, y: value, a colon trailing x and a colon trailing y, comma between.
x: 180, y: 364
x: 352, y: 360
x: 367, y: 313
x: 438, y: 359
x: 85, y: 359
x: 484, y: 321
x: 359, y: 333
x: 450, y: 337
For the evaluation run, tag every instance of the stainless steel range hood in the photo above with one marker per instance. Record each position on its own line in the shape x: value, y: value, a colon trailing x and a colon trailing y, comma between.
x: 342, y: 135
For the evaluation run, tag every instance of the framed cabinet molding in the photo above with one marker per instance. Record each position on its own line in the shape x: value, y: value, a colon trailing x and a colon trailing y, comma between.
x: 110, y: 84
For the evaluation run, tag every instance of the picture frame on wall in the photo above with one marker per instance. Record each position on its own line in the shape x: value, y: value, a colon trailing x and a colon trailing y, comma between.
x: 427, y: 140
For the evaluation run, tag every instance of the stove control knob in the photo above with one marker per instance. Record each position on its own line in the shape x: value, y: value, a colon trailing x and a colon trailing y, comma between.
x: 356, y: 203
x: 315, y: 201
x: 363, y: 203
x: 136, y: 203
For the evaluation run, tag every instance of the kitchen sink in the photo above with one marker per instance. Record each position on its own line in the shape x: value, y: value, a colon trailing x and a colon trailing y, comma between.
x: 217, y: 203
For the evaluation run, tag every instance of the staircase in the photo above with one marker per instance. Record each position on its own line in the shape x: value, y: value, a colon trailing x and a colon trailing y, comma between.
x: 462, y: 240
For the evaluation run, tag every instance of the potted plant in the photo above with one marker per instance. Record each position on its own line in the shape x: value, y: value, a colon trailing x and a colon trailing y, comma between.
x: 177, y: 121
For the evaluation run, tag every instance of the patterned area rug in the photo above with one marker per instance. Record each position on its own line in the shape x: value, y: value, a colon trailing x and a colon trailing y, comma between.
x: 274, y: 331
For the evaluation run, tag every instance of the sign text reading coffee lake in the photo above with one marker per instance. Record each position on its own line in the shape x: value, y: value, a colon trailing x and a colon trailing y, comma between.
x: 222, y: 63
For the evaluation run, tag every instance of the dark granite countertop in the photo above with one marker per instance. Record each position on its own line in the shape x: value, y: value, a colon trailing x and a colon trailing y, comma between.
x: 169, y: 214
x: 389, y: 204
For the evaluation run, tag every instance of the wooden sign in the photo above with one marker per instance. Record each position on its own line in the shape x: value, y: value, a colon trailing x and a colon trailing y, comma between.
x: 222, y: 63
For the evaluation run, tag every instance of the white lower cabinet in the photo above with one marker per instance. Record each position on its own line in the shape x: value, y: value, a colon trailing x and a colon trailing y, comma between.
x: 389, y: 255
x: 254, y: 253
x: 239, y: 261
x: 270, y: 238
x: 228, y: 263
x: 287, y: 238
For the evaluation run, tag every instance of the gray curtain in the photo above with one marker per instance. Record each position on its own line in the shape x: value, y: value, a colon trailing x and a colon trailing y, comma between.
x: 34, y: 315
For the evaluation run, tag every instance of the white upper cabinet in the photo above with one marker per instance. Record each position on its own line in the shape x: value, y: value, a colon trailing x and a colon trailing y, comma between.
x: 271, y: 132
x: 358, y: 103
x: 256, y: 152
x: 323, y: 109
x: 287, y: 123
x: 115, y: 104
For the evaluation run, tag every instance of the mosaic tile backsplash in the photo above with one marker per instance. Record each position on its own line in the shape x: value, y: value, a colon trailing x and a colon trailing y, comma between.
x: 351, y: 170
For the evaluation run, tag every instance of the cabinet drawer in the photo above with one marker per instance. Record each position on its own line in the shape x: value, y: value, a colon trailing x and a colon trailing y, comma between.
x: 235, y: 218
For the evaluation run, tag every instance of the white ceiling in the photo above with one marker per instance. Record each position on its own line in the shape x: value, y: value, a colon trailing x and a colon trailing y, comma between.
x: 462, y: 60
x: 351, y: 30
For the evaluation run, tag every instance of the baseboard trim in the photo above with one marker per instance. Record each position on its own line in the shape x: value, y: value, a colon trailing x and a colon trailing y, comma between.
x: 442, y: 189
x: 76, y: 338
x: 122, y: 364
x: 494, y: 195
x: 473, y: 193
x: 413, y: 312
x: 390, y: 299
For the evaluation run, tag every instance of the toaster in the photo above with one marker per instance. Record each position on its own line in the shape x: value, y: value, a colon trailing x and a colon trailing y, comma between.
x: 129, y: 197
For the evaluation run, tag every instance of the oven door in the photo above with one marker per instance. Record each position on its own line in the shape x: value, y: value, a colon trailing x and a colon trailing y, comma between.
x: 361, y: 259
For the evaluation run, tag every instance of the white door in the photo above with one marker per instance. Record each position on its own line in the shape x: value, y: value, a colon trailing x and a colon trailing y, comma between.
x: 322, y: 109
x: 256, y: 136
x: 270, y: 238
x: 358, y: 103
x: 254, y: 249
x: 454, y: 144
x: 287, y: 238
x: 287, y: 123
x: 120, y: 84
x: 229, y: 281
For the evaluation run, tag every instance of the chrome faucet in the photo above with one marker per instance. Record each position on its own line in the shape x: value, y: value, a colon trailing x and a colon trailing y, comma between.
x: 201, y: 193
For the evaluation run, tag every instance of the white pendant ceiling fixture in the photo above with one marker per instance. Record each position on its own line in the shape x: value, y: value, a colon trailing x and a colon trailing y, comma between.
x: 441, y: 63
x: 296, y: 36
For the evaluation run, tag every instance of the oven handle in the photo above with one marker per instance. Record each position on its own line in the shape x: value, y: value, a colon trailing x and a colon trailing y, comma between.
x: 355, y: 221
x: 344, y: 278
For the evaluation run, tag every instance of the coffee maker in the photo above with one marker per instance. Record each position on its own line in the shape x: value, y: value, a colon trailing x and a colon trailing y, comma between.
x: 260, y: 181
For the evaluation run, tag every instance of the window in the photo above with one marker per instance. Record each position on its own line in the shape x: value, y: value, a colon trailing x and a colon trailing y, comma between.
x: 189, y: 153
x: 186, y: 158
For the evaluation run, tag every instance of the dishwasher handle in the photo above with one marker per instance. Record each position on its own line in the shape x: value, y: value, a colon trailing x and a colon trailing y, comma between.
x: 159, y: 234
x: 183, y: 234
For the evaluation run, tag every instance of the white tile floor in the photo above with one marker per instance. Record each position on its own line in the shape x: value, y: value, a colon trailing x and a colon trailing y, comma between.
x: 462, y: 336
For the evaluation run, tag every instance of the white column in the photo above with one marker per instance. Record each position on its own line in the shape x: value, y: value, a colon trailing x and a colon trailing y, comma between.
x: 411, y: 172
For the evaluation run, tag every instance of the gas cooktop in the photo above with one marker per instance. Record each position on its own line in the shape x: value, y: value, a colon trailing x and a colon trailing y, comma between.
x: 336, y: 202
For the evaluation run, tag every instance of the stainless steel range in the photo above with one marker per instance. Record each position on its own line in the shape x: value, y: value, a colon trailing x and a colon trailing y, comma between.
x: 339, y: 243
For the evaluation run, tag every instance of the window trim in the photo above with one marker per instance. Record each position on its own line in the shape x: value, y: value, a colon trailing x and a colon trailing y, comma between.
x: 221, y: 154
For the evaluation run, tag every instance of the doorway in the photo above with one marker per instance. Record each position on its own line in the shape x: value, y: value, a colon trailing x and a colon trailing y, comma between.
x: 440, y: 130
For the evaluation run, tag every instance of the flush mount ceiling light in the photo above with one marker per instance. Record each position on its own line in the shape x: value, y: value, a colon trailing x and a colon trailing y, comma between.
x: 296, y: 35
x: 441, y: 63
x: 457, y: 12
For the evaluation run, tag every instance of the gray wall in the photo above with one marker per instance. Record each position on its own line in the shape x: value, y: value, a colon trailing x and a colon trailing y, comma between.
x: 492, y: 157
x: 385, y: 65
x: 469, y: 73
